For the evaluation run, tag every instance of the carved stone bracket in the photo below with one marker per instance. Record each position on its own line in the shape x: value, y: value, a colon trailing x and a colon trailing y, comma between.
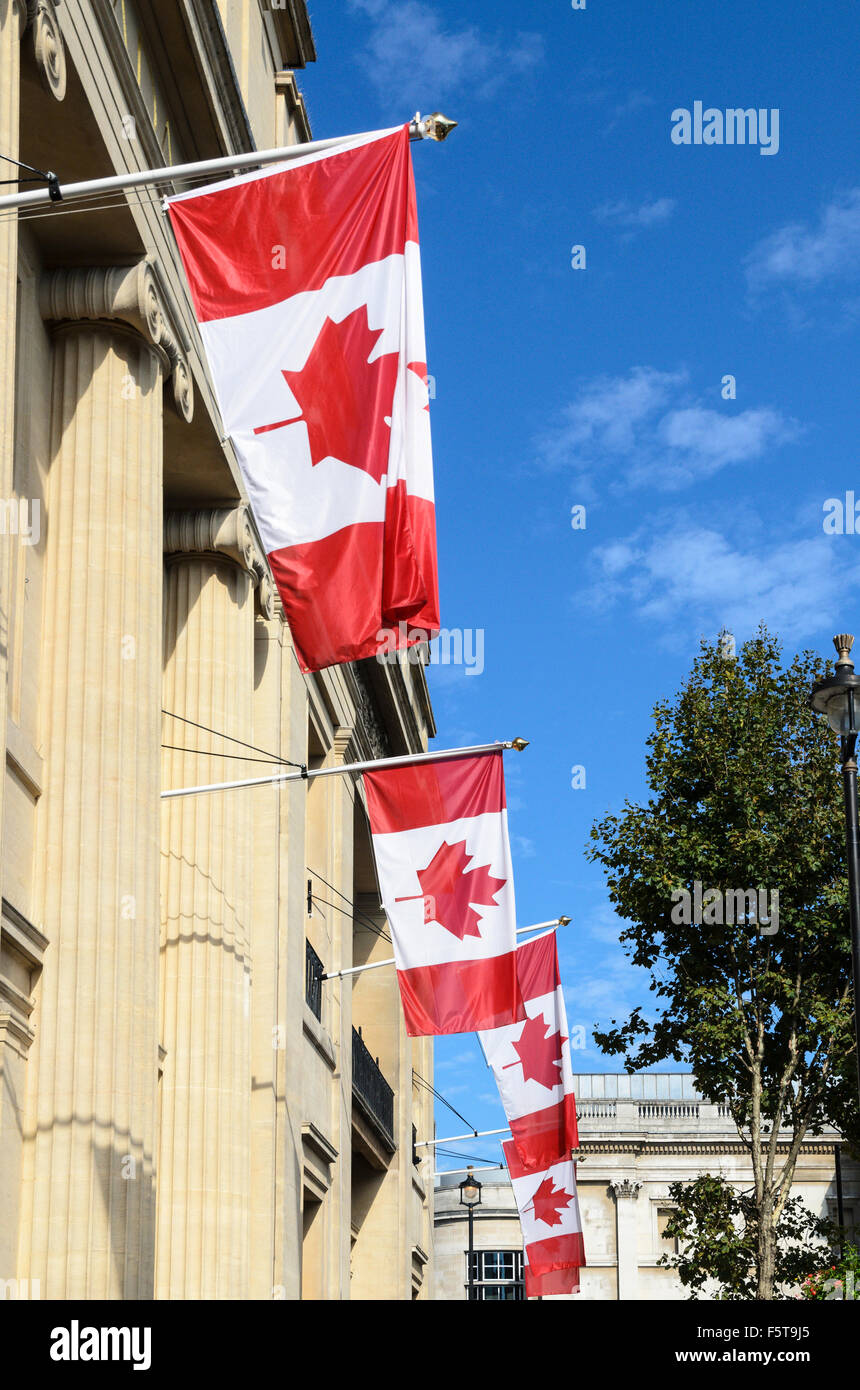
x: 48, y: 46
x: 130, y: 295
x: 222, y: 531
x: 22, y: 950
x: 626, y: 1187
x: 370, y: 720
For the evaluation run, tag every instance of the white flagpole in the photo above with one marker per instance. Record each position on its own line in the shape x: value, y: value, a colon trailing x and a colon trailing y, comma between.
x: 303, y: 774
x: 419, y: 129
x: 357, y: 969
x: 473, y: 1134
x: 538, y: 926
x: 490, y: 1168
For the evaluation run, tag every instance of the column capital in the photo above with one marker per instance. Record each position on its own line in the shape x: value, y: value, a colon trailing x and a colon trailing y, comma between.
x: 625, y: 1187
x: 222, y: 531
x: 130, y: 295
x: 48, y: 45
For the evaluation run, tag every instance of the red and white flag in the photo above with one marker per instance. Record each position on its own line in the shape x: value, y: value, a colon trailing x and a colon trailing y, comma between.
x: 531, y: 1061
x: 306, y: 282
x: 560, y: 1281
x: 549, y: 1213
x: 440, y: 838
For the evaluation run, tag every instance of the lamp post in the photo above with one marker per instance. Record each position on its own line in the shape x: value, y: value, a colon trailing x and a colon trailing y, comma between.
x: 839, y: 698
x: 470, y: 1197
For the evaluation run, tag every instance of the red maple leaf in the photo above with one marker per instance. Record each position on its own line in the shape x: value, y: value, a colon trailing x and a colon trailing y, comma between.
x: 539, y: 1052
x: 549, y: 1201
x: 345, y: 400
x: 420, y: 370
x: 448, y: 887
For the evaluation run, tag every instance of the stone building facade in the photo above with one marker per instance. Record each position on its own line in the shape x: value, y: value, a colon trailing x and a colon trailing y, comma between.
x: 187, y: 1110
x: 637, y: 1135
x: 497, y: 1241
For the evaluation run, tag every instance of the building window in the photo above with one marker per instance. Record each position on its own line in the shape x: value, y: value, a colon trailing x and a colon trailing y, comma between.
x: 314, y: 971
x: 498, y: 1275
x: 666, y: 1244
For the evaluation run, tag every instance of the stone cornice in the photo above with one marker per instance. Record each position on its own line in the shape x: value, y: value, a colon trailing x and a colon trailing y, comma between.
x: 20, y: 941
x: 48, y: 46
x: 130, y: 295
x: 314, y: 1139
x: 204, y: 24
x: 641, y: 1148
x: 124, y: 74
x: 287, y: 87
x: 222, y: 531
x: 451, y: 1216
x: 28, y: 940
x: 293, y: 22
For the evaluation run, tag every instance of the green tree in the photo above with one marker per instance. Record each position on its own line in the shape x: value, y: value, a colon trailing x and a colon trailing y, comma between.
x: 716, y: 1228
x: 745, y: 794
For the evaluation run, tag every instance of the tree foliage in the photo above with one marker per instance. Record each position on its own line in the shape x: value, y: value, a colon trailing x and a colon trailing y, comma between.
x: 717, y: 1230
x: 745, y: 794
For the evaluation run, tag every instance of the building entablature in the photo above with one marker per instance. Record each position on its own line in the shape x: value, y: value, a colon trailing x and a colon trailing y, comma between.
x: 643, y: 1146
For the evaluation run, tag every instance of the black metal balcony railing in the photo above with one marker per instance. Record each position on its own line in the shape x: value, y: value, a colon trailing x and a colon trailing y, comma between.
x: 370, y: 1087
x: 314, y: 971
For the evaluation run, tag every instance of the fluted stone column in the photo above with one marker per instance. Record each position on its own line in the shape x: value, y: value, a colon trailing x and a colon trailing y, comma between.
x: 38, y: 19
x: 626, y: 1192
x: 12, y: 14
x: 204, y: 1187
x: 87, y: 1228
x: 13, y: 1045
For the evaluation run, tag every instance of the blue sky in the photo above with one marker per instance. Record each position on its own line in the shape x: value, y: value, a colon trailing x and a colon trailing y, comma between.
x: 603, y: 386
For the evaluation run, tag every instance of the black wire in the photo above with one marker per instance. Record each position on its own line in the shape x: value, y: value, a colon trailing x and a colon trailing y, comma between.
x: 470, y: 1158
x: 356, y: 911
x: 337, y: 908
x: 432, y: 1089
x: 230, y: 739
x: 21, y: 165
x: 207, y: 753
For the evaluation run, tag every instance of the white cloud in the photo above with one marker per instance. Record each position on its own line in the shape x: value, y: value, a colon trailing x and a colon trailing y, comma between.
x: 648, y: 422
x: 692, y: 579
x: 606, y: 416
x: 632, y: 218
x: 414, y: 56
x: 801, y: 255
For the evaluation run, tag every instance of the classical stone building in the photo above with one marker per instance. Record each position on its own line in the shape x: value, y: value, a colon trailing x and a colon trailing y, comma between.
x: 497, y: 1241
x: 187, y: 1110
x: 637, y: 1134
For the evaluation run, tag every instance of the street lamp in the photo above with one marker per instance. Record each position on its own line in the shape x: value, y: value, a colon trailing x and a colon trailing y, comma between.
x: 470, y: 1197
x: 839, y: 698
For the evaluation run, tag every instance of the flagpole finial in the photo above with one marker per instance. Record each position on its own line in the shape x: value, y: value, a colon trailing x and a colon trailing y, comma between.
x: 434, y: 127
x: 519, y: 744
x: 564, y: 921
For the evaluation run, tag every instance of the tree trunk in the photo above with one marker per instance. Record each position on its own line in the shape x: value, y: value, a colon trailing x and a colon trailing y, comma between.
x: 766, y: 1250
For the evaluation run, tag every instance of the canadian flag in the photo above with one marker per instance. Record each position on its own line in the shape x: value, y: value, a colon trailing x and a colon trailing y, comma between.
x: 549, y: 1213
x: 440, y: 839
x: 306, y: 282
x: 531, y: 1061
x: 560, y: 1281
